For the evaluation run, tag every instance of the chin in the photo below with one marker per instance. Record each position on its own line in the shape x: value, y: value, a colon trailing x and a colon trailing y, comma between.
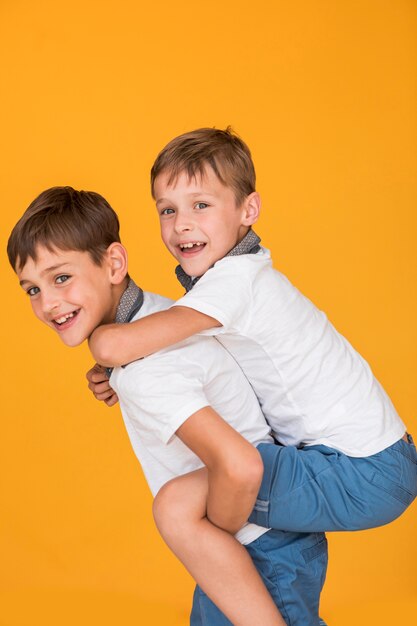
x: 73, y: 342
x: 195, y: 269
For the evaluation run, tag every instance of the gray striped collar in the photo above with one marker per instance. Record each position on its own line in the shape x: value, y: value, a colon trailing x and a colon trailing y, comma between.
x: 130, y: 303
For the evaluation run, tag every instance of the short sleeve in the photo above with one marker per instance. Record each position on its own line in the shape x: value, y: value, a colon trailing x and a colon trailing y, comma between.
x: 161, y: 392
x: 224, y: 293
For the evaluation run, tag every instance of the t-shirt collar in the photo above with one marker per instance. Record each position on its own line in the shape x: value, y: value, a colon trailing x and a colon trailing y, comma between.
x: 248, y: 245
x: 130, y: 303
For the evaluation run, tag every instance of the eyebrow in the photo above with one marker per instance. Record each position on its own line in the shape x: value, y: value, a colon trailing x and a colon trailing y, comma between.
x: 193, y: 194
x: 47, y: 270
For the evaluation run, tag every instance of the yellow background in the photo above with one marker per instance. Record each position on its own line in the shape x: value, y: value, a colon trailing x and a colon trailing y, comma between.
x: 324, y: 92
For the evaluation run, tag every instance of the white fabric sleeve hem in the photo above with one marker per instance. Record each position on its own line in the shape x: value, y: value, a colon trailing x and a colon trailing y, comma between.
x: 202, y: 307
x: 178, y: 420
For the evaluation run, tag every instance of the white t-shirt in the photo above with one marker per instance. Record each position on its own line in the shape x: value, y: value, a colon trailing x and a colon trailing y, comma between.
x: 313, y: 387
x: 159, y: 393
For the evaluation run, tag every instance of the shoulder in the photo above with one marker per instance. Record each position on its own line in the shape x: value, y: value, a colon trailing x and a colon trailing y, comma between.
x: 250, y: 261
x: 234, y: 272
x: 233, y: 276
x: 153, y: 302
x: 179, y: 364
x: 164, y: 389
x: 225, y: 291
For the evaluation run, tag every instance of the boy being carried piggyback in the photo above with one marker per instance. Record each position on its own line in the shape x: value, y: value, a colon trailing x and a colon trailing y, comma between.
x: 185, y: 407
x: 344, y: 460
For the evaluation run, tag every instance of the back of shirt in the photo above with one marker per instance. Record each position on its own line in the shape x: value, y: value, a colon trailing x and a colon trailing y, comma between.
x: 159, y: 393
x: 314, y: 388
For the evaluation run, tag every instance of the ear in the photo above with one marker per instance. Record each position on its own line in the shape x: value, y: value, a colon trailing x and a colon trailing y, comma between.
x: 251, y: 209
x: 116, y: 256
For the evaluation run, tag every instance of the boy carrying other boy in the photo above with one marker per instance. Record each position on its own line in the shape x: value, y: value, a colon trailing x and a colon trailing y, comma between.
x: 344, y: 461
x: 67, y: 254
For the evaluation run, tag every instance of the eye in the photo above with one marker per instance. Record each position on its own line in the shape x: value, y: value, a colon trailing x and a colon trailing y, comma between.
x: 201, y: 205
x: 167, y: 211
x: 32, y: 291
x: 62, y: 279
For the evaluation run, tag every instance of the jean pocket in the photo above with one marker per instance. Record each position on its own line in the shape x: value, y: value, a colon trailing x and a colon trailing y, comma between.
x: 395, y: 490
x: 314, y: 551
x: 407, y: 449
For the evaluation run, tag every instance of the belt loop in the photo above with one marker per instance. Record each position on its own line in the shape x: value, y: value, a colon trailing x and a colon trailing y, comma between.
x: 269, y: 456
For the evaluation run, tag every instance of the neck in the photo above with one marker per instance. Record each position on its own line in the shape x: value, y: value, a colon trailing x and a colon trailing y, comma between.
x: 117, y: 293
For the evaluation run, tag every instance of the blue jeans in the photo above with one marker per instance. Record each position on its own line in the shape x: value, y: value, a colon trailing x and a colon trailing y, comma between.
x: 293, y: 568
x: 320, y: 489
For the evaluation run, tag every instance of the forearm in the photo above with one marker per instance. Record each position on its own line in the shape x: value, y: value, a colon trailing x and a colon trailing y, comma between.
x: 234, y: 467
x: 113, y: 345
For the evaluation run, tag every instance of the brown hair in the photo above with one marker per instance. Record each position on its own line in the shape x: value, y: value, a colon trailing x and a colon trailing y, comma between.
x: 222, y: 150
x: 64, y: 218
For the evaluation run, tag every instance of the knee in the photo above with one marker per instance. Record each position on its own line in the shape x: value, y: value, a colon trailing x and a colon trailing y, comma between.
x: 167, y: 511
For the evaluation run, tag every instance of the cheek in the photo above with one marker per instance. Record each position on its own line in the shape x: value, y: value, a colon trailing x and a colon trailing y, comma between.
x: 165, y: 233
x: 219, y: 230
x: 76, y: 294
x: 36, y: 308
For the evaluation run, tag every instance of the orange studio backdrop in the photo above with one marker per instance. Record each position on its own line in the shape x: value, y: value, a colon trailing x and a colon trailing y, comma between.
x: 324, y: 93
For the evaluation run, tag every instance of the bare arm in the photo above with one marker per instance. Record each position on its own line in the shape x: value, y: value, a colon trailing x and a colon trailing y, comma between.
x: 113, y: 345
x: 234, y: 467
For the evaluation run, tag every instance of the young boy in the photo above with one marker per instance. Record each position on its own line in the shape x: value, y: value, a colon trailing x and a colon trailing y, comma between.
x: 346, y: 462
x: 67, y: 253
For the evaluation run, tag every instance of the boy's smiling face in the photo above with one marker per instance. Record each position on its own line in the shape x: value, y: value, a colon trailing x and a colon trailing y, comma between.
x: 200, y: 219
x: 69, y: 292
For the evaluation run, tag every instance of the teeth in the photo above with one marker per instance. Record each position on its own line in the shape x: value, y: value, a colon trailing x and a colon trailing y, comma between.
x: 64, y: 318
x: 190, y: 245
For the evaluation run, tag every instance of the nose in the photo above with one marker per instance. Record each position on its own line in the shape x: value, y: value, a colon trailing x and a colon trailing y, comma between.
x: 49, y: 300
x: 183, y: 223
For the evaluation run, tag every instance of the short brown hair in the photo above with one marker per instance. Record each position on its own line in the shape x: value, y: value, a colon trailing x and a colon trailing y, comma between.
x: 64, y: 218
x: 222, y: 150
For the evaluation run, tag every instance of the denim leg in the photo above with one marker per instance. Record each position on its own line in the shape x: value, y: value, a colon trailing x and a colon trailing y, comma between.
x: 205, y: 613
x: 320, y: 489
x: 293, y: 568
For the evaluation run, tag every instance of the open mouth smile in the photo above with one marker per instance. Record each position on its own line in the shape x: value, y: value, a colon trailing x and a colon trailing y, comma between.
x: 190, y: 248
x: 65, y: 321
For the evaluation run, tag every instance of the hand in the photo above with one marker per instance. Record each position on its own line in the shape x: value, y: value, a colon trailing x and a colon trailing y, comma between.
x: 99, y: 384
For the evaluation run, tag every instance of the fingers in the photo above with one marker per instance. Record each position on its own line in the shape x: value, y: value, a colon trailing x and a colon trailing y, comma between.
x: 96, y: 374
x: 101, y: 391
x: 112, y: 400
x: 98, y: 384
